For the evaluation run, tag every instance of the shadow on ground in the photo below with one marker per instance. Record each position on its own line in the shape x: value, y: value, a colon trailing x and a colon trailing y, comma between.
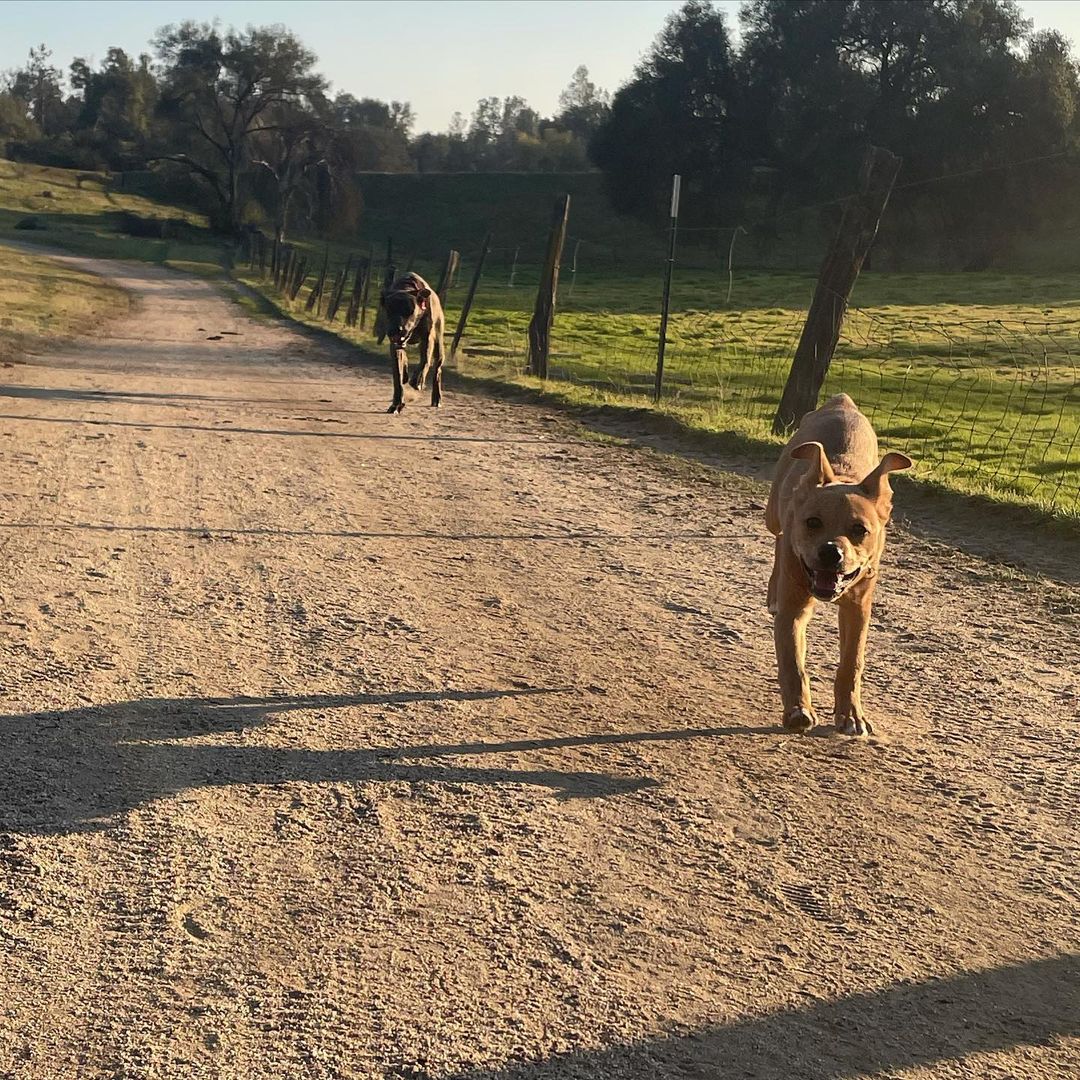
x: 82, y: 768
x: 877, y: 1033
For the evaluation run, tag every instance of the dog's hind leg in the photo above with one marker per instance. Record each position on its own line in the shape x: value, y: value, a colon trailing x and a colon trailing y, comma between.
x: 789, y: 633
x: 436, y: 371
x: 854, y: 614
x: 397, y: 367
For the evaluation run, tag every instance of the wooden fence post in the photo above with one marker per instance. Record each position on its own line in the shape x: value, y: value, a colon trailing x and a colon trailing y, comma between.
x: 858, y: 227
x: 287, y: 269
x: 298, y: 279
x: 661, y: 347
x: 352, y: 312
x: 448, y: 271
x: 470, y: 296
x: 339, y: 291
x: 389, y: 276
x: 367, y: 286
x: 317, y: 289
x: 544, y: 311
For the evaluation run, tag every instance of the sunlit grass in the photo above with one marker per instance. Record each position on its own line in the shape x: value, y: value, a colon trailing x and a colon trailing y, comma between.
x: 78, y: 212
x: 42, y: 300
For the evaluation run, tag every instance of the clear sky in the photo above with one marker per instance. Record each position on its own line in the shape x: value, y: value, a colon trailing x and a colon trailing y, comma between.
x: 441, y: 55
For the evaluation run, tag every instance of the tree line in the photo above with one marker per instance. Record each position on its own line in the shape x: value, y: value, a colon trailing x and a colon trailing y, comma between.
x: 758, y: 124
x: 242, y: 119
x: 780, y: 116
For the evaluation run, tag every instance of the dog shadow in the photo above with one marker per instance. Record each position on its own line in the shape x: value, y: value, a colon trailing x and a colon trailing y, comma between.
x: 82, y: 769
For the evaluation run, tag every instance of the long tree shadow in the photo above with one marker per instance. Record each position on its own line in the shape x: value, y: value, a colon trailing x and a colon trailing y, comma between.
x: 81, y: 769
x: 876, y: 1033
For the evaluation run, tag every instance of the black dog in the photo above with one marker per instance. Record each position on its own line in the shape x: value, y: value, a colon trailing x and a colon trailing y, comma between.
x: 413, y: 315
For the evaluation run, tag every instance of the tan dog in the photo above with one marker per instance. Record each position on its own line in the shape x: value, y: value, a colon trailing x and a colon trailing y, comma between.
x: 828, y: 508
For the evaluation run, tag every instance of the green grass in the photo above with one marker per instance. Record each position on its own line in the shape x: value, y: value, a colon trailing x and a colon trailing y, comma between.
x: 42, y: 300
x: 84, y: 216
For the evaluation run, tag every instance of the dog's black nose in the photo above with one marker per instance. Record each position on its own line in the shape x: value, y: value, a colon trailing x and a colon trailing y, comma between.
x: 830, y: 554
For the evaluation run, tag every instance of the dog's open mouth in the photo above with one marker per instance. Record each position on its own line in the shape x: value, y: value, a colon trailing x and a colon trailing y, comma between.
x: 829, y: 584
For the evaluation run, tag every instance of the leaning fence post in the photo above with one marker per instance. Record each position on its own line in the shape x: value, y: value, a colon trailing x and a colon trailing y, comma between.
x: 316, y: 289
x: 513, y: 268
x: 464, y: 317
x: 839, y: 271
x: 339, y: 291
x: 661, y: 346
x: 730, y: 260
x: 448, y: 271
x: 298, y: 279
x: 544, y: 311
x: 367, y: 286
x: 352, y: 312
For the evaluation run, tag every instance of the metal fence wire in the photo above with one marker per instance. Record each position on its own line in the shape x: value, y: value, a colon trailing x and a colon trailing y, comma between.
x: 986, y: 405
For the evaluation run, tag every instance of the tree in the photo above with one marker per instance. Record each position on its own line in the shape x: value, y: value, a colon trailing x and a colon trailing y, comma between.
x: 15, y: 124
x: 675, y: 116
x: 218, y: 91
x: 373, y: 135
x: 582, y: 107
x: 116, y: 107
x: 289, y: 148
x: 38, y: 85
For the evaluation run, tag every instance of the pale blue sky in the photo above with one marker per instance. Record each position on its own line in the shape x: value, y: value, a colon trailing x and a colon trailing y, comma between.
x: 474, y: 48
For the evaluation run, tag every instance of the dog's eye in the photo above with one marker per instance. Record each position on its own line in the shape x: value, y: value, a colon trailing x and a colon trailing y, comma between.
x: 813, y: 523
x: 858, y: 532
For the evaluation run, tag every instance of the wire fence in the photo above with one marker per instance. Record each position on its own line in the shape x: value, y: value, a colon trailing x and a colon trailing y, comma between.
x: 983, y: 392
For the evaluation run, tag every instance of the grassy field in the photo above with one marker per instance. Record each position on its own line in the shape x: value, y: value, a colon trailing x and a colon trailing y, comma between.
x: 80, y: 212
x: 41, y: 300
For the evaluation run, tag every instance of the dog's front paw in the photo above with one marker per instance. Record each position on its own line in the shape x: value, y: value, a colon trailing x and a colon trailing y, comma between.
x: 852, y: 723
x: 397, y: 406
x: 799, y: 718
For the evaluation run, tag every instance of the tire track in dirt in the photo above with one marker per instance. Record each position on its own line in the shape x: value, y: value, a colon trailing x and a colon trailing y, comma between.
x: 353, y: 746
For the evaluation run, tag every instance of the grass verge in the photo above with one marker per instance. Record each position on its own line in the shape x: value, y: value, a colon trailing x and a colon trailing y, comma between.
x: 42, y: 300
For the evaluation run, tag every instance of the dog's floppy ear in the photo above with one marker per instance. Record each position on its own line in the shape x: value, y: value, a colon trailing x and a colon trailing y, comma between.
x: 820, y: 471
x: 876, y: 484
x: 422, y: 299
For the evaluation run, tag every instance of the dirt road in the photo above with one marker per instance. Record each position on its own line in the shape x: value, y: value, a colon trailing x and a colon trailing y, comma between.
x: 339, y: 745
